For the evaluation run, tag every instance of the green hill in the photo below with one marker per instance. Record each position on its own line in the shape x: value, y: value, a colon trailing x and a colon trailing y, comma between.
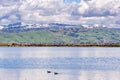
x: 63, y: 35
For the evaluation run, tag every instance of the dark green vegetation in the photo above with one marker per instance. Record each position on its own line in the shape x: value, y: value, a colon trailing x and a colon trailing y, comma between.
x: 63, y: 35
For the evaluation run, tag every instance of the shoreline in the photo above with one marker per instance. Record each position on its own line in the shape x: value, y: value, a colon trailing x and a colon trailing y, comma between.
x: 56, y: 45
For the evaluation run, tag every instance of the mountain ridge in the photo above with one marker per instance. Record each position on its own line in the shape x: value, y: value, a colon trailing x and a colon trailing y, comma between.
x: 68, y: 35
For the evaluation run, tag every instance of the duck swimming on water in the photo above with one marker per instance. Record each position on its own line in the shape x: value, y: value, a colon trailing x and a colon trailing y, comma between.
x: 55, y: 73
x: 48, y: 71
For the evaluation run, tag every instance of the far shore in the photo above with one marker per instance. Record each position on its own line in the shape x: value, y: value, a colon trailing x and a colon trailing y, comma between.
x: 57, y: 45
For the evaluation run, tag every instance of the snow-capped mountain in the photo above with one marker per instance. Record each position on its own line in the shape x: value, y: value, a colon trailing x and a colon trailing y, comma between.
x: 20, y: 25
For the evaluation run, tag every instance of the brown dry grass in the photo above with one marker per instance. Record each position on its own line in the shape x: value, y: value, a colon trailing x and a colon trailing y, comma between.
x: 58, y: 45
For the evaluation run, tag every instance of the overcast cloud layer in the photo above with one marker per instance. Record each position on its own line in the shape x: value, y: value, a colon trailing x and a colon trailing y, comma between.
x: 36, y: 11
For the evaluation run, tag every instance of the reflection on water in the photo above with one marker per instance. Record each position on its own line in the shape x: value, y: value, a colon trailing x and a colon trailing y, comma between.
x: 70, y: 63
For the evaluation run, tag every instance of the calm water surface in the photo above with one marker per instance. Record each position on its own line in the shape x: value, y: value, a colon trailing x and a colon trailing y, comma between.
x: 71, y: 63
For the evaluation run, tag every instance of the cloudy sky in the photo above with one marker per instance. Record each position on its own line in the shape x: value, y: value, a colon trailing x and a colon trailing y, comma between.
x: 67, y: 11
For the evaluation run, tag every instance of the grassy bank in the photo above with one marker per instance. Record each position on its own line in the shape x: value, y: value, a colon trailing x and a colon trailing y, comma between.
x: 57, y: 45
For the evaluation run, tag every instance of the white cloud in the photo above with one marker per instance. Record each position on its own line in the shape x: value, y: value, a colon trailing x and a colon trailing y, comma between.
x: 5, y: 21
x: 100, y: 8
x: 36, y: 11
x: 84, y: 7
x: 13, y: 17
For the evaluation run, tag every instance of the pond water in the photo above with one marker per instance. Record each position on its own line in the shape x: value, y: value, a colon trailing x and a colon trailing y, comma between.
x: 59, y: 63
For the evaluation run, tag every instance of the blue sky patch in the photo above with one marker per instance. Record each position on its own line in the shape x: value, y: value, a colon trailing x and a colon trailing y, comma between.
x: 71, y: 1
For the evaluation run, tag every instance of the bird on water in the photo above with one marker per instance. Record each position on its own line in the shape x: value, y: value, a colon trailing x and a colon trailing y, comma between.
x: 55, y: 73
x: 48, y: 71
